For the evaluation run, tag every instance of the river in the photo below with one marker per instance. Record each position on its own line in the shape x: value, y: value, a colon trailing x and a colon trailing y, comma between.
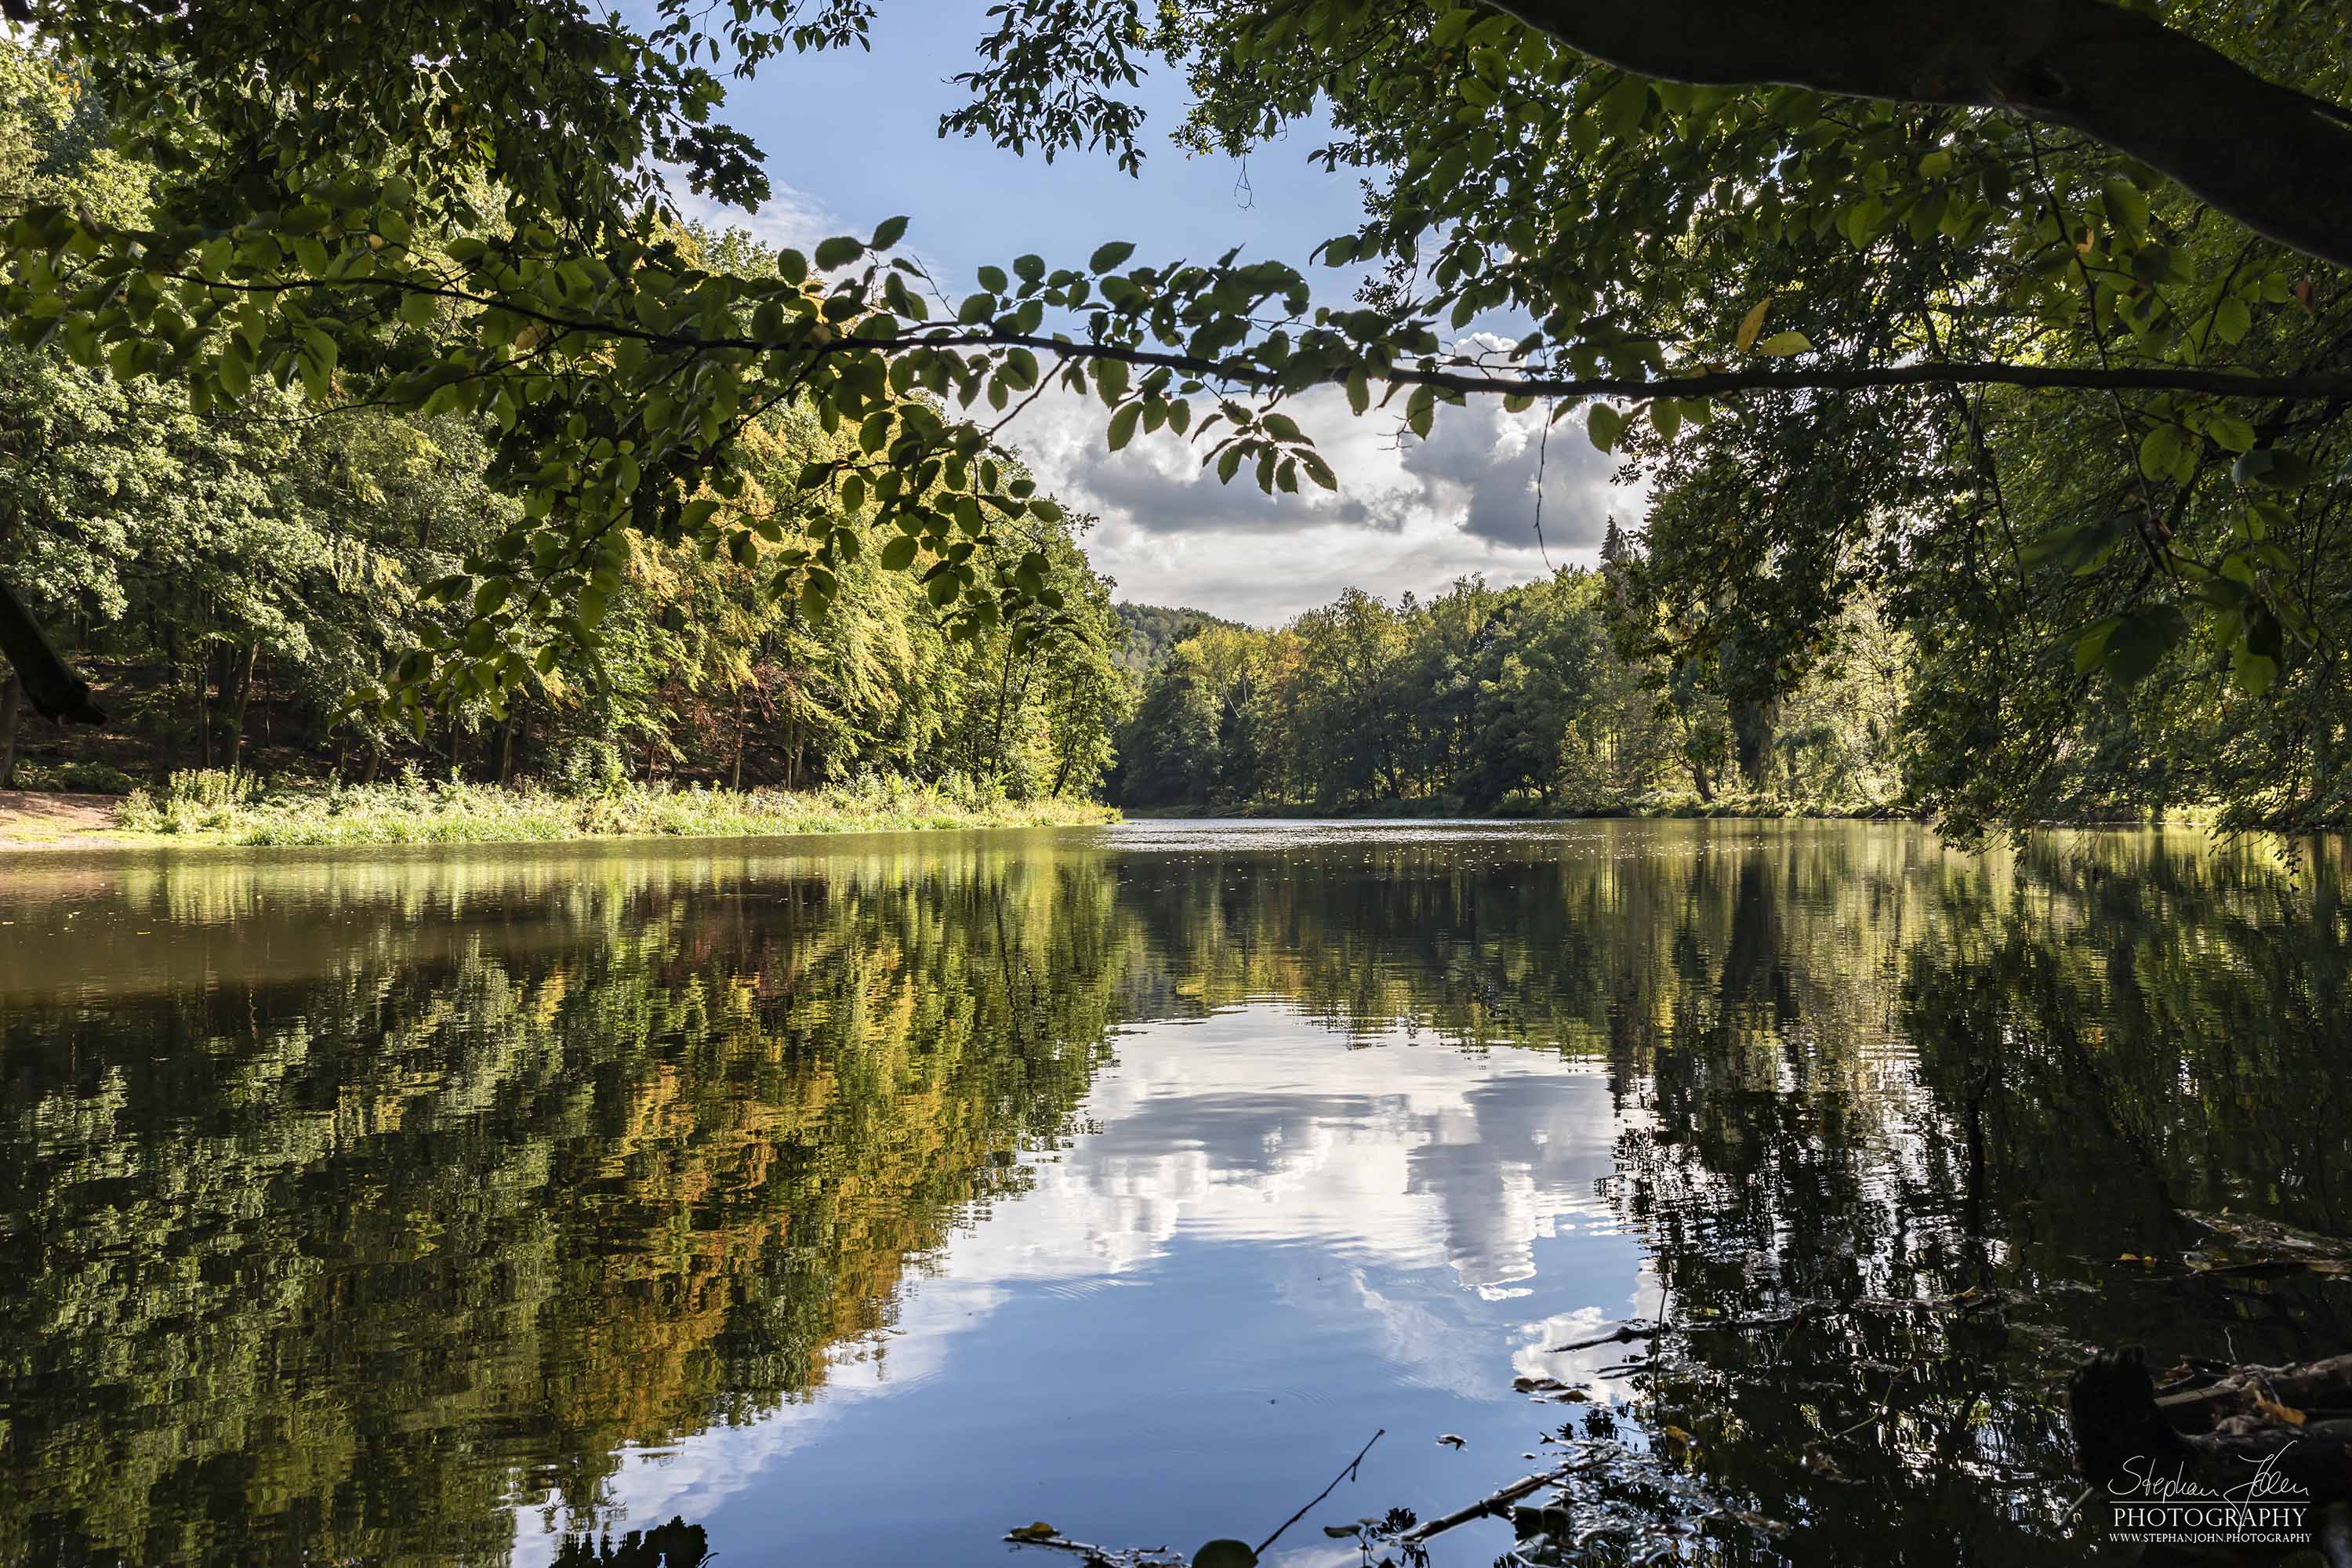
x: 856, y: 1199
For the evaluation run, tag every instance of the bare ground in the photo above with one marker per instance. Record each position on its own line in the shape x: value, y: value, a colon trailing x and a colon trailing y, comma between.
x: 42, y: 821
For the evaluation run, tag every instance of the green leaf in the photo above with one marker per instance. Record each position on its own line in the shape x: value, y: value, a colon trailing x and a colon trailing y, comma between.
x: 2073, y: 547
x: 1665, y: 416
x: 1420, y: 410
x: 1752, y: 323
x: 2230, y: 432
x: 891, y: 231
x: 1122, y: 424
x: 1225, y: 1553
x: 2140, y: 643
x: 993, y: 279
x: 2256, y: 673
x: 1780, y: 346
x: 1108, y: 256
x: 839, y: 251
x: 2231, y: 319
x: 2090, y: 648
x: 1359, y: 389
x: 2126, y: 206
x: 976, y: 308
x: 899, y: 553
x: 1623, y: 107
x: 1605, y: 424
x: 2159, y: 451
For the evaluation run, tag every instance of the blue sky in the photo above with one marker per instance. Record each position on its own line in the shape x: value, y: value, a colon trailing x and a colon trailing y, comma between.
x: 852, y: 138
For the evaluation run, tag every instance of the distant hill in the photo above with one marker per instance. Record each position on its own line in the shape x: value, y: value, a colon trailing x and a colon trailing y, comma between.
x: 1153, y: 629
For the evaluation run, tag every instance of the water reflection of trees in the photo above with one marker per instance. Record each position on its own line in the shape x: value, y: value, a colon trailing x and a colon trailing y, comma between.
x: 401, y: 1200
x: 1911, y: 1108
x: 352, y: 1255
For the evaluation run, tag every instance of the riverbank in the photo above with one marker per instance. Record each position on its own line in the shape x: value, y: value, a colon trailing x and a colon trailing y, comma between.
x: 1729, y: 807
x: 459, y: 813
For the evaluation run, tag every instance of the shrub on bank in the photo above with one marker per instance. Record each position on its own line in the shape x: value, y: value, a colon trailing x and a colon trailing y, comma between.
x: 76, y: 778
x: 418, y: 811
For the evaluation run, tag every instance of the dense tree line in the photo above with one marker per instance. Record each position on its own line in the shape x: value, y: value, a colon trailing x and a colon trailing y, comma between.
x: 1535, y: 698
x: 1153, y: 629
x: 233, y: 575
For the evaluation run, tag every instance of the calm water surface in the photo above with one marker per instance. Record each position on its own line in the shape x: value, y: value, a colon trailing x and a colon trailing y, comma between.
x: 857, y: 1199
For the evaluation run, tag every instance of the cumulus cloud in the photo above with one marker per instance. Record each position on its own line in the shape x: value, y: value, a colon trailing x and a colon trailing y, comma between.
x: 1388, y: 1190
x: 1409, y: 514
x: 789, y: 217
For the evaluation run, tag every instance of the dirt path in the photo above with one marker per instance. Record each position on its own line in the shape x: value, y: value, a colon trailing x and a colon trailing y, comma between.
x: 41, y: 821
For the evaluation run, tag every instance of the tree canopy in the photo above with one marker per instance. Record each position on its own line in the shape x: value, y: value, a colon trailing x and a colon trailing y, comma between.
x: 2059, y: 282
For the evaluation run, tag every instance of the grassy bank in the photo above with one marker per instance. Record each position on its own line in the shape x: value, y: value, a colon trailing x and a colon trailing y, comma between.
x: 1658, y: 804
x: 211, y: 808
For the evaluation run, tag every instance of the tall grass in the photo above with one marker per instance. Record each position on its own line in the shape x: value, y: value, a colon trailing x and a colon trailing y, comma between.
x: 214, y: 808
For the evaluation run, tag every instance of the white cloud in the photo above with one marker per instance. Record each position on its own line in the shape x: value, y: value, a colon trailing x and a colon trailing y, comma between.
x: 1408, y: 514
x: 1391, y: 1160
x: 789, y: 217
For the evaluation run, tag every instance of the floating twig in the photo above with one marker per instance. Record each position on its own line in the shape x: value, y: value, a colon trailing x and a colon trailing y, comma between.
x: 1347, y: 1472
x: 1494, y: 1502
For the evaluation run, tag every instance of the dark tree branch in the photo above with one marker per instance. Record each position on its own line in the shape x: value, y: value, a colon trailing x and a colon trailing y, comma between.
x: 56, y: 691
x: 1777, y: 376
x: 2277, y: 159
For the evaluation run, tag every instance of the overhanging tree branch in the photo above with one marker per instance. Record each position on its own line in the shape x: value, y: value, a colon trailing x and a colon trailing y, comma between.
x: 1762, y: 376
x: 56, y: 691
x: 2277, y: 159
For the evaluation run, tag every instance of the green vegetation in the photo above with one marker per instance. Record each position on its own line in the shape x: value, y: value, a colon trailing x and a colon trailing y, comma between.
x: 1521, y: 699
x: 214, y: 808
x: 234, y: 572
x: 1153, y: 629
x: 2017, y: 328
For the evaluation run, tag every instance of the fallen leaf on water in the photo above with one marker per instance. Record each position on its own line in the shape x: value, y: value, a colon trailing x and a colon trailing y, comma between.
x: 1040, y: 1530
x: 1677, y: 1434
x: 1225, y: 1553
x: 2273, y: 1410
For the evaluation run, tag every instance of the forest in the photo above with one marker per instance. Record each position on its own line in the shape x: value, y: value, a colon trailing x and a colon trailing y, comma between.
x: 233, y: 575
x: 1527, y: 699
x: 1995, y: 442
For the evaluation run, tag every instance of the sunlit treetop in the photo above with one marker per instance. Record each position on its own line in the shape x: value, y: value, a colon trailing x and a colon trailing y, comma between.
x: 1676, y: 208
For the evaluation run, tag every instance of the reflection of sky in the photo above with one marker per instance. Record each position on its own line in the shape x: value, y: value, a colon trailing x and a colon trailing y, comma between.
x: 1274, y: 1245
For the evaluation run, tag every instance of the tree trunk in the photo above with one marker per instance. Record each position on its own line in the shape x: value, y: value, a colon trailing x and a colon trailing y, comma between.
x: 2274, y: 159
x: 11, y: 699
x: 237, y: 705
x: 506, y: 749
x: 204, y: 673
x: 1751, y: 739
x: 1699, y: 783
